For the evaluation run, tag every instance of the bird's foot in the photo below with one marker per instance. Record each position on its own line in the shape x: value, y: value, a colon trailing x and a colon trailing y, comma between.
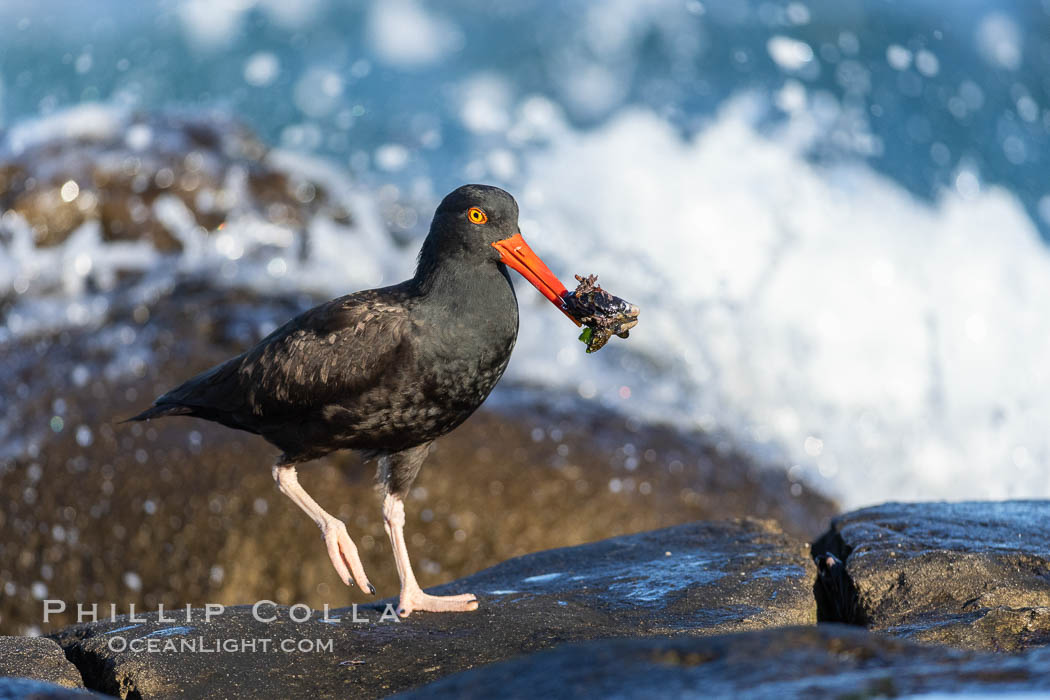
x: 343, y: 553
x: 416, y: 600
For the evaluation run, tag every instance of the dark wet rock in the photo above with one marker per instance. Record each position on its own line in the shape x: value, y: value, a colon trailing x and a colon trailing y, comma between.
x: 27, y: 689
x: 829, y: 661
x: 973, y: 575
x: 697, y: 579
x: 122, y: 165
x: 182, y: 511
x: 37, y: 658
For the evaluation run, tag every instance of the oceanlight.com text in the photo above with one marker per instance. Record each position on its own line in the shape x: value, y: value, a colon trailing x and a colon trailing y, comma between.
x: 199, y: 645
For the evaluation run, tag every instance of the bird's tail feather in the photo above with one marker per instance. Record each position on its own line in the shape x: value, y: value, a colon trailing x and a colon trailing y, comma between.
x: 159, y: 411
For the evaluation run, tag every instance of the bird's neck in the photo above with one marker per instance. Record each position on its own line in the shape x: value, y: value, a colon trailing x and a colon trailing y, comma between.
x: 452, y: 279
x: 460, y: 283
x: 447, y: 266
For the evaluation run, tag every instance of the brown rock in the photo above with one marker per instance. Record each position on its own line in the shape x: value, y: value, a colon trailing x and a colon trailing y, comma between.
x: 120, y: 176
x: 37, y: 658
x: 974, y: 575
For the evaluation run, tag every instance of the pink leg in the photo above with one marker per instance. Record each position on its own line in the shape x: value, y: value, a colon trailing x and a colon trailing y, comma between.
x: 412, y: 596
x: 341, y: 549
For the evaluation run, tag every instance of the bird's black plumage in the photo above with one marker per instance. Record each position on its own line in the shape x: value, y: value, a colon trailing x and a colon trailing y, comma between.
x: 383, y: 370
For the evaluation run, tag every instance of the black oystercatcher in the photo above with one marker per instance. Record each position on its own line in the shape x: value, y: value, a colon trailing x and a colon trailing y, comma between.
x: 384, y: 371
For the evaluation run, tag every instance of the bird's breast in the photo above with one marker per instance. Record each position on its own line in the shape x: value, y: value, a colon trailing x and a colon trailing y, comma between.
x: 466, y: 360
x: 454, y: 354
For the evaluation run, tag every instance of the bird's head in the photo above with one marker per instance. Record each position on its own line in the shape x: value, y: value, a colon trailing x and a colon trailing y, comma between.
x: 481, y: 222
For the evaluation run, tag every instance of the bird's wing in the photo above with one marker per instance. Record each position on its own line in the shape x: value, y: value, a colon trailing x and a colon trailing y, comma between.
x: 334, y: 350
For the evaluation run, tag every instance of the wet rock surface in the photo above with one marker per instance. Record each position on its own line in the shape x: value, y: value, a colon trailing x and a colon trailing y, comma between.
x: 829, y: 661
x: 27, y: 689
x: 973, y: 575
x: 697, y: 579
x: 39, y: 659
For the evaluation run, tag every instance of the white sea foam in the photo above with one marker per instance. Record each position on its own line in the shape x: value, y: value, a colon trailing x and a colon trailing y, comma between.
x: 893, y: 348
x: 210, y: 24
x: 789, y: 54
x: 999, y: 41
x: 87, y: 120
x: 405, y: 34
x: 261, y: 68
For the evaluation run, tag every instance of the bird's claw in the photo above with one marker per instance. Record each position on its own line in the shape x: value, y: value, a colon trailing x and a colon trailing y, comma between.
x: 343, y: 553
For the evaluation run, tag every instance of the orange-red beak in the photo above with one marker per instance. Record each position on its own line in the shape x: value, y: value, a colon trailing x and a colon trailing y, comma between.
x: 516, y: 253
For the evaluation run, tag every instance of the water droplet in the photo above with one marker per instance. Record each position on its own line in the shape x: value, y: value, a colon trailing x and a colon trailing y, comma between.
x: 84, y: 436
x: 70, y: 190
x: 133, y: 581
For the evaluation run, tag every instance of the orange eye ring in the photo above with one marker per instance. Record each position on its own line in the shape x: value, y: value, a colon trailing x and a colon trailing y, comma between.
x: 477, y: 216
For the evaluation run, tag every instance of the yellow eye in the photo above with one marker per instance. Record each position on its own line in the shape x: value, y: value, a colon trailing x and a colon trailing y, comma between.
x: 477, y: 216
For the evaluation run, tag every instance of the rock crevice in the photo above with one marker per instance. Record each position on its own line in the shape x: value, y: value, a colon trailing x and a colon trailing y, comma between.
x: 974, y: 575
x: 98, y: 672
x: 833, y: 589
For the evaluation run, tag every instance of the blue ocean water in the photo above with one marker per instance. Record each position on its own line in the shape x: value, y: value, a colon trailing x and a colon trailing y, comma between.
x: 921, y: 90
x: 832, y: 213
